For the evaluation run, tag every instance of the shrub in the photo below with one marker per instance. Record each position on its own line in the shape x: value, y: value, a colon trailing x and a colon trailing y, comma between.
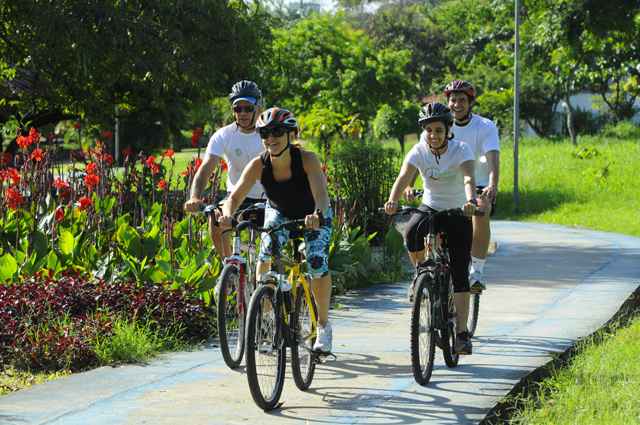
x: 53, y: 324
x: 622, y: 130
x: 130, y: 342
x: 362, y: 174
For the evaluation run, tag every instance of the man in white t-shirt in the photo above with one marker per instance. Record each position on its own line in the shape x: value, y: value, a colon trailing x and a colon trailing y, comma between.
x: 481, y: 134
x: 238, y: 143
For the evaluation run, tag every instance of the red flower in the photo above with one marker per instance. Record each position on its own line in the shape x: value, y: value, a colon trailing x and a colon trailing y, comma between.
x: 151, y: 163
x: 107, y: 158
x: 195, y: 136
x: 59, y: 214
x: 34, y: 135
x: 14, y: 198
x: 168, y: 153
x: 91, y: 168
x: 60, y: 184
x: 162, y: 184
x: 223, y: 165
x: 23, y: 142
x: 197, y: 164
x: 37, y: 155
x: 77, y: 125
x: 12, y: 174
x: 192, y: 167
x: 91, y: 181
x: 106, y: 134
x: 84, y: 203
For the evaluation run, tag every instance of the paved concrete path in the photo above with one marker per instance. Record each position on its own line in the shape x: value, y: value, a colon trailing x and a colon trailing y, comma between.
x: 549, y: 285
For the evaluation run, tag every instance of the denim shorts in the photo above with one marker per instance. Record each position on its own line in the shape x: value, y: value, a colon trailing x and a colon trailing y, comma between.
x: 316, y: 242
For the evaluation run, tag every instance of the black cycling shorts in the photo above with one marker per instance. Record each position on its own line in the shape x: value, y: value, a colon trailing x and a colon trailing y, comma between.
x: 459, y: 231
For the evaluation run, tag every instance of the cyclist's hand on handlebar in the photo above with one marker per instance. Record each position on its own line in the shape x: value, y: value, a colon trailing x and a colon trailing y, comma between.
x: 489, y: 193
x: 193, y: 205
x: 409, y: 194
x: 225, y: 222
x: 470, y: 208
x: 390, y: 207
x: 313, y: 221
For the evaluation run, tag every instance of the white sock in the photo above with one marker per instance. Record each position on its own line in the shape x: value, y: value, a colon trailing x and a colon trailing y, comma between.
x: 477, y: 264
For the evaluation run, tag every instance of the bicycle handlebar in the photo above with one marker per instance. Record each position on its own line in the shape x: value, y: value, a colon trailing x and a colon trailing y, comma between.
x: 453, y: 211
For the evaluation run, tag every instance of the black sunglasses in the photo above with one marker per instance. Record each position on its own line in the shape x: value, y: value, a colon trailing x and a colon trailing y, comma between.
x: 275, y: 131
x: 238, y: 109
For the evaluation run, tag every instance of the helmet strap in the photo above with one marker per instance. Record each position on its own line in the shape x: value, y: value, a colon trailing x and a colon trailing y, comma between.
x: 284, y: 149
x: 438, y: 152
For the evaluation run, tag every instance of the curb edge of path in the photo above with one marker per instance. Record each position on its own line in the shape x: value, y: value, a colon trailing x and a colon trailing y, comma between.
x: 527, y: 387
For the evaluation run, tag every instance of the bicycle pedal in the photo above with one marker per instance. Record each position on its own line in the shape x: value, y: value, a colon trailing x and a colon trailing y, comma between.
x: 321, y: 357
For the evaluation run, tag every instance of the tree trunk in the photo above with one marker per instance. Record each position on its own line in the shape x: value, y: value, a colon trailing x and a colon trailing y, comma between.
x: 570, y: 127
x: 401, y: 140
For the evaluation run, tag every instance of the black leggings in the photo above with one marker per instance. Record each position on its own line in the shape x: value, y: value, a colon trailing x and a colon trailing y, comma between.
x: 459, y: 231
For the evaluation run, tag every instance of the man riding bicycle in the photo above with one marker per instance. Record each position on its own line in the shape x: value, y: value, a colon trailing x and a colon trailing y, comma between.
x: 481, y: 134
x: 446, y: 167
x: 238, y: 143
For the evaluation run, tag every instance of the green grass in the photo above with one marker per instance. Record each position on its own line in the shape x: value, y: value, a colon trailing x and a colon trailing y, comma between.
x: 13, y: 380
x: 130, y: 343
x: 600, y: 386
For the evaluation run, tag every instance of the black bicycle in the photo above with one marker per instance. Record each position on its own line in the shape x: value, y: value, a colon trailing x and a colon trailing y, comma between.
x: 474, y: 301
x: 236, y: 284
x: 282, y: 313
x: 433, y: 315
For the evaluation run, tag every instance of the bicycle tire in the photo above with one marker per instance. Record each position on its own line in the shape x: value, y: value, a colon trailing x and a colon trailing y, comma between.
x: 449, y: 331
x: 266, y: 357
x: 474, y: 310
x: 231, y: 317
x: 303, y: 363
x: 423, y: 343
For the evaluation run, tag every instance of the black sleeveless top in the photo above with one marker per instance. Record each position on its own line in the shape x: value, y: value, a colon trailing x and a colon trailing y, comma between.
x: 292, y: 197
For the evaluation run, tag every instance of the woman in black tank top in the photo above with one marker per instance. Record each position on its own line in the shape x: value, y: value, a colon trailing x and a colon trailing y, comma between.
x: 296, y: 188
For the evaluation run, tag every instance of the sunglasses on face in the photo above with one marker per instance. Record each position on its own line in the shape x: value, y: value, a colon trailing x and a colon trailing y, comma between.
x: 276, y: 132
x: 238, y: 109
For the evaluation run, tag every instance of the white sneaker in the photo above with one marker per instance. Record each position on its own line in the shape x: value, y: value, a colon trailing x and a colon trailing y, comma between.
x: 324, y: 338
x: 476, y: 281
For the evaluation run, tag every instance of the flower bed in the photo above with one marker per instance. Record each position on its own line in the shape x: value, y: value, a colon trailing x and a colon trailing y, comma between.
x: 53, y: 324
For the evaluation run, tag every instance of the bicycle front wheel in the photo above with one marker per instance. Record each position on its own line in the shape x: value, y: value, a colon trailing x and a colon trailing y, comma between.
x: 265, y: 351
x: 231, y: 316
x: 474, y: 310
x: 303, y: 363
x: 422, y: 331
x: 448, y: 333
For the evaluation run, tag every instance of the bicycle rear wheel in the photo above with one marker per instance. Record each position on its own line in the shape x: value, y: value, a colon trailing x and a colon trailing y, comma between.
x: 449, y: 331
x: 303, y: 363
x: 474, y: 310
x: 422, y: 331
x: 231, y: 316
x: 265, y: 351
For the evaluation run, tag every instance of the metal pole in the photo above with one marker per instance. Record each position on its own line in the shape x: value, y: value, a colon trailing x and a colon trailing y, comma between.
x: 516, y: 107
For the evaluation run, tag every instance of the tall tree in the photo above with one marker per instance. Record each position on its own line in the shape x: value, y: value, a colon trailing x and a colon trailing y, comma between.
x: 151, y: 59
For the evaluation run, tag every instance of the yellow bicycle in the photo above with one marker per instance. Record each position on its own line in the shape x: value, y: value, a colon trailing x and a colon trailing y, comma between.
x: 282, y: 313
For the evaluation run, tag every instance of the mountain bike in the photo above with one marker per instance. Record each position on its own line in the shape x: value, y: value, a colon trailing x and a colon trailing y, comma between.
x: 282, y: 313
x: 235, y: 285
x: 433, y: 314
x: 474, y: 300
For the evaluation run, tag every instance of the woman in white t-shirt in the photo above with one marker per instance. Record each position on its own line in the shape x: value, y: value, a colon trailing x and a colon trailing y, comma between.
x: 446, y: 167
